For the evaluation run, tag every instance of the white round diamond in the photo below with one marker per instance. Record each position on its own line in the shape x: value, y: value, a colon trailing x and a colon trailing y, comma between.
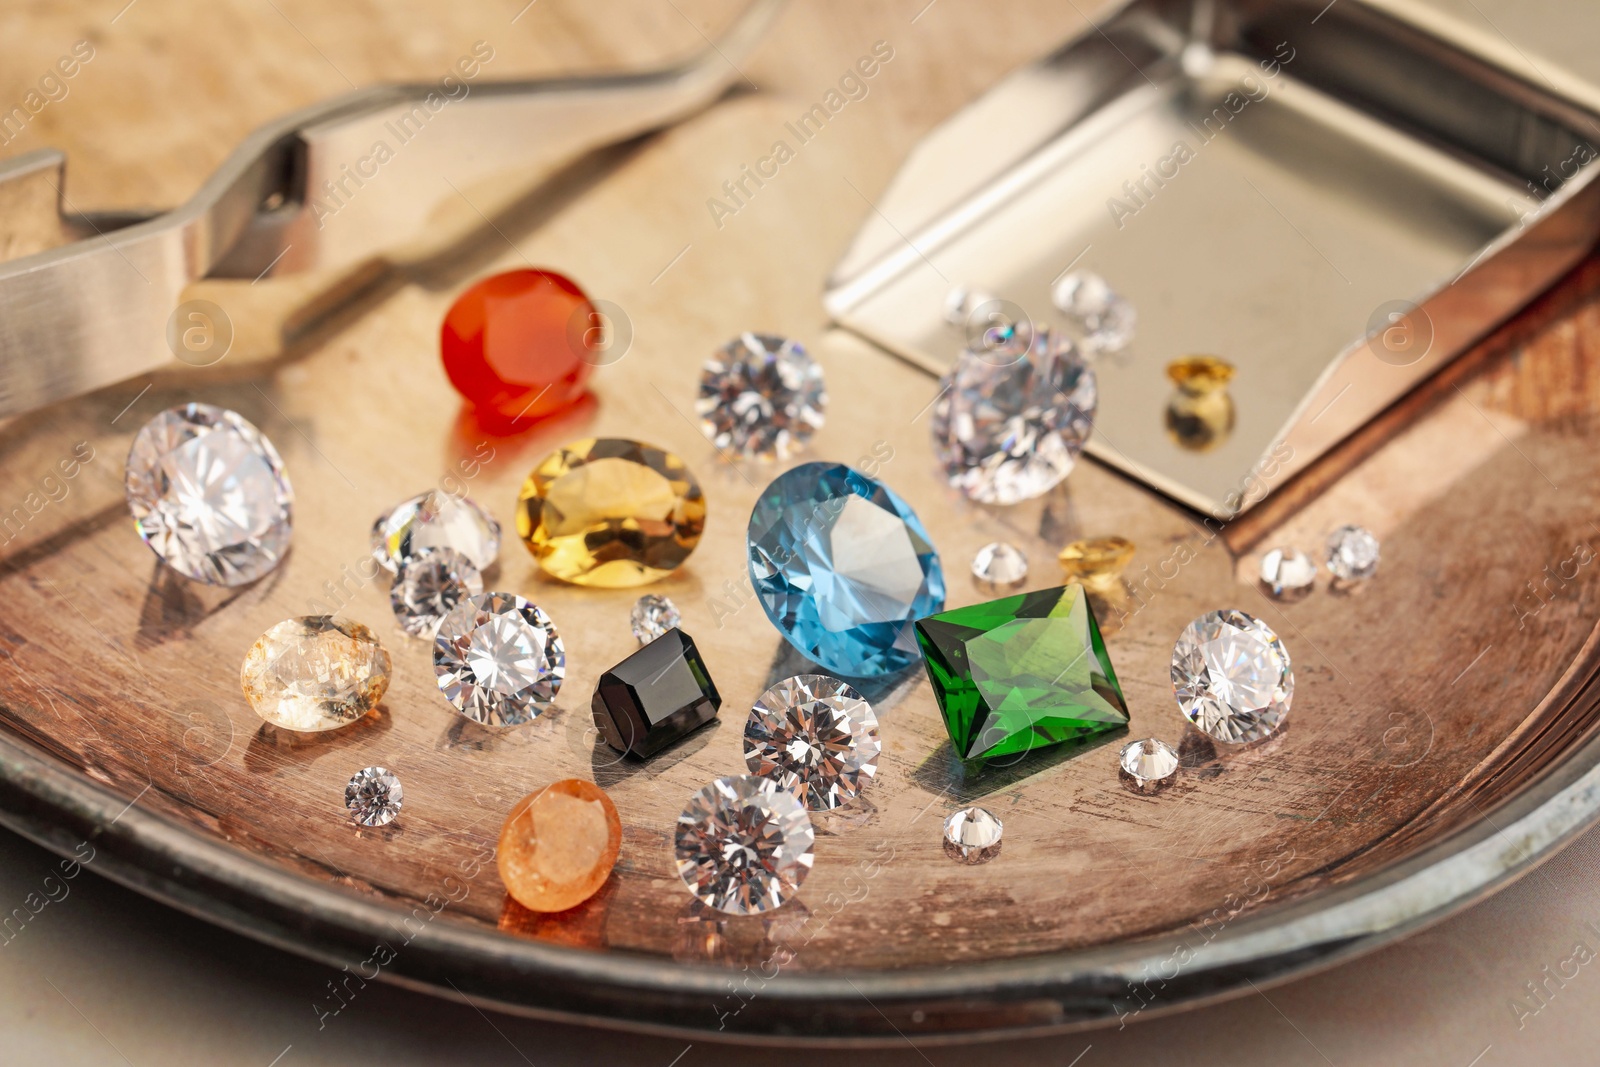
x: 374, y: 796
x: 651, y: 617
x: 498, y: 659
x: 1106, y: 318
x: 761, y: 397
x: 1000, y: 568
x: 209, y: 495
x: 1148, y: 765
x: 429, y: 587
x: 1352, y: 553
x: 1232, y: 676
x: 1288, y: 573
x: 431, y: 520
x: 816, y: 737
x: 1007, y: 430
x: 743, y: 845
x: 972, y: 835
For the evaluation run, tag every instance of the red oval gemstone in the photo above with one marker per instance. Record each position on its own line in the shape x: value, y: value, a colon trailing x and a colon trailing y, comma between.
x: 514, y: 344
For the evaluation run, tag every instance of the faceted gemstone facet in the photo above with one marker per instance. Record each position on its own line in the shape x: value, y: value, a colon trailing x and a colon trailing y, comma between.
x: 209, y: 495
x: 1009, y: 430
x: 374, y: 796
x: 558, y: 845
x: 610, y: 512
x: 432, y: 520
x: 429, y: 586
x: 651, y: 617
x: 314, y: 673
x: 518, y: 345
x: 1147, y: 766
x: 761, y: 397
x: 1021, y: 672
x: 656, y: 696
x: 1288, y: 573
x: 1096, y: 562
x: 498, y: 659
x: 1000, y: 568
x: 1232, y: 676
x: 816, y: 737
x: 1352, y: 553
x: 1105, y: 317
x: 743, y: 845
x: 972, y: 835
x: 842, y: 566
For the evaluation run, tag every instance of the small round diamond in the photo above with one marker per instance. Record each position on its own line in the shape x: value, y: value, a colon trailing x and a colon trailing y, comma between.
x: 816, y: 737
x: 761, y: 397
x: 1000, y: 568
x: 972, y: 835
x: 499, y: 659
x: 374, y: 796
x: 743, y: 845
x: 1148, y: 766
x: 651, y: 617
x: 1352, y: 553
x: 315, y: 673
x: 429, y: 586
x: 1232, y: 676
x: 431, y: 520
x: 208, y: 495
x: 1106, y: 318
x: 1288, y: 573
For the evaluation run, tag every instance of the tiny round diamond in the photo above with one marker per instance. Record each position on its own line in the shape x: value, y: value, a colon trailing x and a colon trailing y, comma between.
x: 374, y: 796
x: 1106, y: 318
x: 429, y: 586
x: 743, y: 845
x: 431, y: 520
x: 1288, y: 573
x: 1352, y: 553
x: 816, y: 737
x: 1232, y: 676
x: 651, y: 617
x: 499, y: 659
x: 761, y: 397
x: 1000, y: 568
x: 209, y: 495
x: 972, y: 835
x: 1148, y: 765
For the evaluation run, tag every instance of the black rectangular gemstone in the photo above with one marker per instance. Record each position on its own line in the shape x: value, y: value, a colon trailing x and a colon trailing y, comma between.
x: 657, y: 695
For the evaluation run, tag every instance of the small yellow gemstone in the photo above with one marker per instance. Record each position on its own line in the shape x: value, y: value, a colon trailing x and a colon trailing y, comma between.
x: 1096, y: 561
x: 610, y: 512
x: 1200, y: 374
x: 316, y: 672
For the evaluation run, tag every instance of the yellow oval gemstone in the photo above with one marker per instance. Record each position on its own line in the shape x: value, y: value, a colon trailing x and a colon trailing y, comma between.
x: 611, y: 512
x: 1096, y: 561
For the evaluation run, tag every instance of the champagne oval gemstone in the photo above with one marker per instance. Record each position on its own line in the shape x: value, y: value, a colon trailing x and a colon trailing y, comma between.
x: 314, y: 673
x: 611, y: 512
x: 558, y: 845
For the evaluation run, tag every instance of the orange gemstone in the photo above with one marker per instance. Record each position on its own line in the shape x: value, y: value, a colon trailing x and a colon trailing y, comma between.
x: 520, y: 345
x: 558, y: 845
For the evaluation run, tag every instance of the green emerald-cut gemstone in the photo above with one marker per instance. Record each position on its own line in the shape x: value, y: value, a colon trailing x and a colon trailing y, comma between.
x: 1021, y: 672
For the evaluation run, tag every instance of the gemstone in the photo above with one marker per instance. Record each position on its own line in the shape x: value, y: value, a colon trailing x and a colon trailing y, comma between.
x: 961, y: 301
x: 314, y: 673
x: 816, y: 737
x: 429, y: 586
x: 1352, y: 553
x: 651, y: 617
x: 1096, y: 562
x: 498, y: 659
x: 610, y: 512
x: 1200, y: 414
x: 761, y: 397
x: 1009, y: 430
x: 558, y: 845
x: 374, y: 796
x: 842, y: 566
x: 1021, y: 672
x: 972, y: 835
x: 1232, y: 676
x: 510, y: 348
x: 1000, y: 567
x: 1288, y: 573
x: 435, y: 519
x: 1104, y: 316
x: 209, y: 495
x: 1199, y: 375
x: 743, y: 845
x: 1147, y: 766
x: 659, y: 694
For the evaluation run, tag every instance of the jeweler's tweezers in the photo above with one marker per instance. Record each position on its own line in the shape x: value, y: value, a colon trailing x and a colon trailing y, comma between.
x: 305, y: 192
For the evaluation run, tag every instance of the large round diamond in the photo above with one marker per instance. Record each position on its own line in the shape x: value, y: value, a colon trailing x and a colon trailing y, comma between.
x: 816, y: 737
x: 498, y: 659
x: 843, y: 567
x: 1232, y: 676
x: 1008, y: 427
x: 208, y: 494
x: 761, y: 396
x: 743, y: 845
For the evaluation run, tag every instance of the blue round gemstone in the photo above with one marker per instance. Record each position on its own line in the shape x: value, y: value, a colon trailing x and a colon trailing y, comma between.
x: 843, y: 567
